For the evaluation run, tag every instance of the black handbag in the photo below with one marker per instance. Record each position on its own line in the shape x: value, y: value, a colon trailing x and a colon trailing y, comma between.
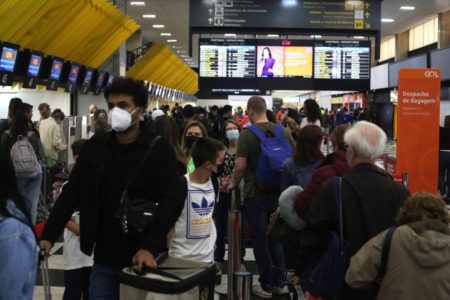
x: 137, y: 214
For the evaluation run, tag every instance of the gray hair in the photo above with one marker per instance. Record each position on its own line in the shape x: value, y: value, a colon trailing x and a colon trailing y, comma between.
x: 367, y: 139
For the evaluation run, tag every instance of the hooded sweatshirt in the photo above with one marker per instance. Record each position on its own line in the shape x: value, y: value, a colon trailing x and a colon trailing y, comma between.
x: 418, y: 265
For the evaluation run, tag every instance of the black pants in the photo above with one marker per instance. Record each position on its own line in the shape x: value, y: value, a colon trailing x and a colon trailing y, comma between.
x: 76, y: 284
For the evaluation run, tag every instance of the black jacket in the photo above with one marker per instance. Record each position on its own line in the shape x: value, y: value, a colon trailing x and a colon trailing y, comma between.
x: 88, y: 188
x: 370, y: 200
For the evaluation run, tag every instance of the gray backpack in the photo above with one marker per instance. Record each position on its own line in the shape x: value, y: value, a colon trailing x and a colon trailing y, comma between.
x: 23, y: 158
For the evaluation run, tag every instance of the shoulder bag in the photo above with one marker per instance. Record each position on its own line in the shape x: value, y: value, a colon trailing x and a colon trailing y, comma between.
x: 137, y: 214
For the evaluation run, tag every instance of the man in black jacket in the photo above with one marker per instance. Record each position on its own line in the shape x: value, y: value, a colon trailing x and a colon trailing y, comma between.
x: 105, y: 166
x: 370, y: 198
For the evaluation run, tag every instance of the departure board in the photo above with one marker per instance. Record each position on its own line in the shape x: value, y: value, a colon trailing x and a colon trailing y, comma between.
x: 233, y: 61
x: 342, y: 60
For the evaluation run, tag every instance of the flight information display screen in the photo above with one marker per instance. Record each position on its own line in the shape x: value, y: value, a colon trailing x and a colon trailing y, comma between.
x: 232, y: 59
x: 74, y: 73
x: 342, y: 60
x: 56, y: 69
x: 34, y: 66
x: 8, y: 59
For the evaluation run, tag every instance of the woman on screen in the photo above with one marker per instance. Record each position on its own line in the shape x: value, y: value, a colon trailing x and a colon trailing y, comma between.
x: 266, y: 57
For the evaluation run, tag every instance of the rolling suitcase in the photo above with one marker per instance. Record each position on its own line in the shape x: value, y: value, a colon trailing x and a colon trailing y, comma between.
x: 174, y: 279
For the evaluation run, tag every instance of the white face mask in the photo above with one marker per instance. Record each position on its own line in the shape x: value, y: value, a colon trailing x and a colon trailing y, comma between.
x: 120, y: 119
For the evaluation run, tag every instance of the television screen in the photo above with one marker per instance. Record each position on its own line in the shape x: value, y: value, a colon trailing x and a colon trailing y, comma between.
x: 88, y: 77
x: 101, y: 76
x: 285, y: 61
x: 227, y: 58
x: 34, y: 65
x: 74, y: 73
x: 55, y: 72
x: 419, y: 61
x: 441, y: 59
x: 341, y: 60
x: 8, y: 59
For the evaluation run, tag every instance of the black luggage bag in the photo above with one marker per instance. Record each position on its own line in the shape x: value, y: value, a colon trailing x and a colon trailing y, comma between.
x: 174, y: 279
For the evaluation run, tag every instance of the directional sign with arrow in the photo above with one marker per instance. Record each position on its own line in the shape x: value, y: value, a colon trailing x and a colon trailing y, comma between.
x: 210, y: 20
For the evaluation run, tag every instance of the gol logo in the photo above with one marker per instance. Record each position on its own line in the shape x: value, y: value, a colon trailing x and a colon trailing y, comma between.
x: 431, y: 74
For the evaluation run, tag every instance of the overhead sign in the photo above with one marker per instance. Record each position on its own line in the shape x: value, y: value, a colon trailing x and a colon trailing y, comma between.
x: 418, y: 128
x: 292, y: 14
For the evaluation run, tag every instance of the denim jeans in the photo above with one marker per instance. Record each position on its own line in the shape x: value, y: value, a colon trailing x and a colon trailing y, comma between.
x: 18, y: 260
x: 30, y: 189
x: 76, y: 283
x: 269, y: 255
x: 444, y: 173
x: 104, y: 283
x: 221, y: 221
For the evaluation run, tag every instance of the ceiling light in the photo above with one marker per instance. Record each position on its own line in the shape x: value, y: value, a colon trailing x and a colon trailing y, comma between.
x: 359, y: 37
x: 176, y: 47
x: 137, y: 3
x: 158, y: 26
x: 184, y: 56
x: 171, y: 41
x: 149, y: 16
x: 407, y: 7
x: 387, y: 20
x: 166, y: 34
x: 316, y: 36
x: 273, y: 35
x: 230, y: 34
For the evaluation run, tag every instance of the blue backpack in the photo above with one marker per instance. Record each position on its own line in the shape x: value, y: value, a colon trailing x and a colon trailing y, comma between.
x: 273, y: 152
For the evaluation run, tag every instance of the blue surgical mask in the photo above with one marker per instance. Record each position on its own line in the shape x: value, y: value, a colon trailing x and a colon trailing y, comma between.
x: 233, y: 134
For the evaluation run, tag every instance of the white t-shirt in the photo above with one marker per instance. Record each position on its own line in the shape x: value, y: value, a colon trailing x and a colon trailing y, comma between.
x: 73, y: 257
x: 305, y: 122
x: 194, y: 234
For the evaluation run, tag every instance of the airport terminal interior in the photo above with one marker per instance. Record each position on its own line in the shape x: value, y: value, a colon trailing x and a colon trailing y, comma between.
x: 213, y: 65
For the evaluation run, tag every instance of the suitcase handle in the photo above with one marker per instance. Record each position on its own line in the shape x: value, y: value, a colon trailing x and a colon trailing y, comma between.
x: 160, y: 272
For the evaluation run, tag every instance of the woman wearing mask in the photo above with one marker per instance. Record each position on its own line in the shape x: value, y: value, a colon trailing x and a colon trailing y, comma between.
x: 230, y: 136
x: 29, y: 187
x: 192, y: 132
x: 313, y: 115
x: 18, y: 261
x: 298, y: 169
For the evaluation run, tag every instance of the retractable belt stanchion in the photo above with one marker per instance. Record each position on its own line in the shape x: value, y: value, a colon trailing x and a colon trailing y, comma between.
x: 239, y: 283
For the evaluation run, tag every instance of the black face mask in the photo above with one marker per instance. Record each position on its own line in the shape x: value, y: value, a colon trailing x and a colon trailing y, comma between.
x: 190, y: 140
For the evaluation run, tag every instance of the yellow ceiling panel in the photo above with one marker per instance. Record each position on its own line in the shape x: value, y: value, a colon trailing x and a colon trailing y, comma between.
x: 83, y: 31
x: 162, y: 66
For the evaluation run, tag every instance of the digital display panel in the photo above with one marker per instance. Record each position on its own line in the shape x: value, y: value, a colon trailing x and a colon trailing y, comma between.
x: 285, y: 61
x: 225, y: 58
x: 101, y: 76
x: 341, y: 60
x: 34, y: 66
x: 8, y: 59
x: 110, y: 80
x: 88, y: 77
x: 73, y: 73
x: 56, y: 69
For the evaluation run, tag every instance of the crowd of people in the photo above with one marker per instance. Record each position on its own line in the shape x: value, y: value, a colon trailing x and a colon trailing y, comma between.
x: 183, y: 165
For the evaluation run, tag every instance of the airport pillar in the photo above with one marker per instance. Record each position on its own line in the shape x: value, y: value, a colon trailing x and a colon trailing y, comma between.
x: 401, y: 45
x: 444, y: 29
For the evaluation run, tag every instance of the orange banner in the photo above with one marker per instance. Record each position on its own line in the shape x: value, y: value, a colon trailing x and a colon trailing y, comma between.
x: 418, y: 127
